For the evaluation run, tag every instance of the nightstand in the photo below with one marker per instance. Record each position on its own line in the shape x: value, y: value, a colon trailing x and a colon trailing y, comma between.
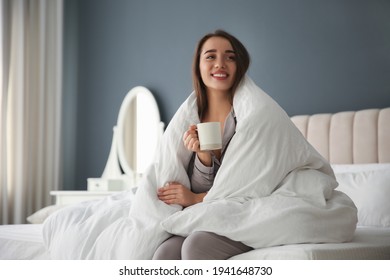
x: 71, y: 197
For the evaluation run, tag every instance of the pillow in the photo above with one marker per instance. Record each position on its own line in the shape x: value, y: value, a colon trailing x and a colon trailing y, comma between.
x: 369, y: 188
x: 40, y: 216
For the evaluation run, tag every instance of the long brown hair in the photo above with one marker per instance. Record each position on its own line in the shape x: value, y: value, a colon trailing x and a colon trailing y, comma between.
x: 242, y: 63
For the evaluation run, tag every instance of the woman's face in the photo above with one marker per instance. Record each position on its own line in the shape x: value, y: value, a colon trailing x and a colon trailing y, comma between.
x: 217, y: 64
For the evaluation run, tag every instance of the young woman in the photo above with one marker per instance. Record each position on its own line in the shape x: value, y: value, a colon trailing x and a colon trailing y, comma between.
x: 220, y: 62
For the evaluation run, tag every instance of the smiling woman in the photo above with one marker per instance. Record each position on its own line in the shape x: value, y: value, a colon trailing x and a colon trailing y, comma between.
x: 220, y: 63
x: 217, y: 66
x: 230, y: 44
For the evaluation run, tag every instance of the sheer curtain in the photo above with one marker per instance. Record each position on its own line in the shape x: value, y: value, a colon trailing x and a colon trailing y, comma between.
x: 30, y: 104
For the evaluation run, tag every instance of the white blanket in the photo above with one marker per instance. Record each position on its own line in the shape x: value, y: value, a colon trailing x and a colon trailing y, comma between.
x: 272, y: 188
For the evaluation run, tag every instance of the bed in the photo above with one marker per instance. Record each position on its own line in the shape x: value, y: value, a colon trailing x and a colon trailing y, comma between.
x: 357, y: 144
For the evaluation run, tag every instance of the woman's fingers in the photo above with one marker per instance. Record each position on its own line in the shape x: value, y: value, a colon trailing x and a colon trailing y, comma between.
x: 169, y: 189
x: 168, y: 194
x: 192, y: 143
x: 190, y: 139
x: 175, y: 193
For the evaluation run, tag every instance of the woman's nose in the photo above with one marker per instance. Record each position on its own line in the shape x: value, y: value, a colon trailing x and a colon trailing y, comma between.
x: 220, y: 63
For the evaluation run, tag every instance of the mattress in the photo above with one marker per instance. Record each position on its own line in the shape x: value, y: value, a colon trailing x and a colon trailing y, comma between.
x: 25, y: 242
x: 369, y: 243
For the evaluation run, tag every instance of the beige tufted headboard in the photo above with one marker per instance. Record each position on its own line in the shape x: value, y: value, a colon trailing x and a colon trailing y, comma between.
x: 349, y: 137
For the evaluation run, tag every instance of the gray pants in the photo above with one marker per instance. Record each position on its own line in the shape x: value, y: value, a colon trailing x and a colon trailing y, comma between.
x: 199, y: 246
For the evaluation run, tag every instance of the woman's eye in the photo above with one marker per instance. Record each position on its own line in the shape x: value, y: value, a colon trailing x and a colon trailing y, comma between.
x: 231, y: 58
x: 210, y: 57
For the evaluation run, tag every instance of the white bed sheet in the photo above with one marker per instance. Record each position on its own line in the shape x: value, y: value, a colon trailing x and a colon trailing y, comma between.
x: 369, y: 243
x: 22, y: 242
x: 25, y: 242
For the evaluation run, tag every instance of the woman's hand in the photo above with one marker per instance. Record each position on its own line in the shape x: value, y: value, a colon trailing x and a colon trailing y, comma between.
x: 176, y: 193
x: 191, y: 142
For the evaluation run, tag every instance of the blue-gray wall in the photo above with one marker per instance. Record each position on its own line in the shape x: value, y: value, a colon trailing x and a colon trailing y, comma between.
x: 311, y: 56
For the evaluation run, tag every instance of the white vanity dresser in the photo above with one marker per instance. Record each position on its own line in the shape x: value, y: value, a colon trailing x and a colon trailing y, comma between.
x: 135, y: 139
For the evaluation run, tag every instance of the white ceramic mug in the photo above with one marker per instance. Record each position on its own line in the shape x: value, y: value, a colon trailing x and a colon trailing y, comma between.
x: 209, y: 134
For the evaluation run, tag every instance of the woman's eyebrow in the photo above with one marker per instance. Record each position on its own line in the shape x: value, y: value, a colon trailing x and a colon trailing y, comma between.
x: 213, y: 50
x: 209, y: 51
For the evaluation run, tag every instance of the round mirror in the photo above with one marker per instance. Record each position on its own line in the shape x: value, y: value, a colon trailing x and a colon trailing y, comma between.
x: 139, y: 130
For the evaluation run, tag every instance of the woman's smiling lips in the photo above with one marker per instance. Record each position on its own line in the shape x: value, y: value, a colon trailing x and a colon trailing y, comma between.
x: 219, y: 75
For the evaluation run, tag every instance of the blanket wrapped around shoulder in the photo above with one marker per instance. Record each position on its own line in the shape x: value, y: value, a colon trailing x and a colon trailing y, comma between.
x: 272, y: 188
